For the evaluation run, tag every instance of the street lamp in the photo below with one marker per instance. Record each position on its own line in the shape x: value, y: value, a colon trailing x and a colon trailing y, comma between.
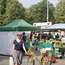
x: 47, y: 11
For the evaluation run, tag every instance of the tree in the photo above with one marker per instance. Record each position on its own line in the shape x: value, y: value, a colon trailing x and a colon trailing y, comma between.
x: 38, y: 12
x: 60, y: 11
x: 2, y: 10
x: 51, y: 13
x: 2, y: 7
x: 11, y: 10
x: 14, y: 10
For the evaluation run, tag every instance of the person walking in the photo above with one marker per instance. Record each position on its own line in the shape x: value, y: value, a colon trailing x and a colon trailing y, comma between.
x: 19, y: 50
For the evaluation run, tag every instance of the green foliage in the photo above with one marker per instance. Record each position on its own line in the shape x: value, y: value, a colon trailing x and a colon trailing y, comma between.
x: 51, y: 13
x: 38, y: 12
x: 11, y: 9
x: 60, y: 12
x: 2, y: 6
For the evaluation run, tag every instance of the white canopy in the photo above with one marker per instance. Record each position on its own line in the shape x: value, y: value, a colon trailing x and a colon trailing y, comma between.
x: 57, y: 26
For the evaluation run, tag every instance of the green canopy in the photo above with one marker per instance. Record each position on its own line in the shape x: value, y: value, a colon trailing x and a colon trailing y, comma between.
x: 18, y: 25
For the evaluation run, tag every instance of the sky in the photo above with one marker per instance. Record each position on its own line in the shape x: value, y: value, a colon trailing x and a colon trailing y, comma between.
x: 28, y: 3
x: 54, y: 2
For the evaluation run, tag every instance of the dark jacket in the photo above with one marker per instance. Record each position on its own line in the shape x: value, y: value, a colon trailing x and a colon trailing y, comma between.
x: 18, y: 46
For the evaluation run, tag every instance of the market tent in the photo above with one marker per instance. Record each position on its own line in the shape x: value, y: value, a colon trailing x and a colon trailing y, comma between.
x: 60, y: 26
x: 18, y: 25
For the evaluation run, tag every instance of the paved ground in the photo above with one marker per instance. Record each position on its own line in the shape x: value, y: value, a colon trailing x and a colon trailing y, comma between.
x: 5, y: 61
x: 60, y: 62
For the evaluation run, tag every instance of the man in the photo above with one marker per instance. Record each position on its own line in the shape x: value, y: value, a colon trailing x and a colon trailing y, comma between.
x: 19, y: 49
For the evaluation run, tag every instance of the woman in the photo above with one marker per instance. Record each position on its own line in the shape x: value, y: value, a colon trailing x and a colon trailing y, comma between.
x: 19, y: 49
